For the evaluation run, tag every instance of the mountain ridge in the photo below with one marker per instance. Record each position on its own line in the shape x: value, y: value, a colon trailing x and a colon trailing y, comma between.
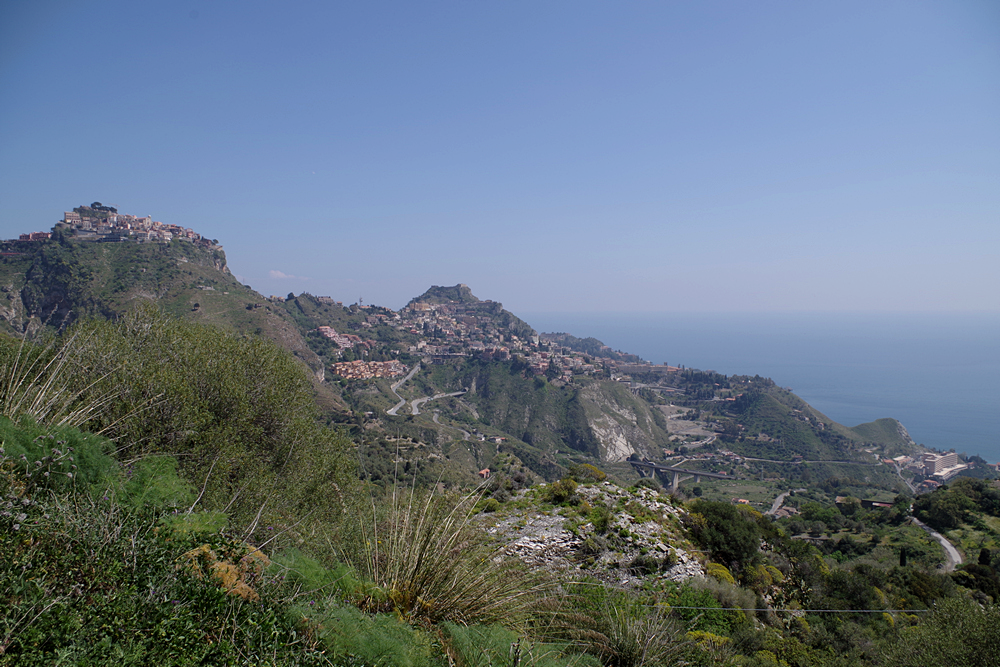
x: 551, y: 400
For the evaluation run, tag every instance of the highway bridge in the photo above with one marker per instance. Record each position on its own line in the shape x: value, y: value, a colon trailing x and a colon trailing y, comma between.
x: 676, y: 472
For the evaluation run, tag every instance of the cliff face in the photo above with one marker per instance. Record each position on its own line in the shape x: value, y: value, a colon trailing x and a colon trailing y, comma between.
x: 621, y: 423
x: 601, y: 419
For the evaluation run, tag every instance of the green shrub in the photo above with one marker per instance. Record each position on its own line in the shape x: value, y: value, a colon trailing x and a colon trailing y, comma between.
x: 601, y: 517
x: 92, y: 581
x: 961, y: 632
x: 621, y: 628
x: 593, y: 545
x: 311, y: 577
x: 52, y: 457
x: 699, y: 608
x: 645, y: 564
x: 237, y: 413
x: 648, y: 483
x: 720, y: 573
x: 561, y: 491
x: 154, y: 480
x: 486, y: 505
x: 584, y: 473
x: 732, y: 537
x: 353, y: 637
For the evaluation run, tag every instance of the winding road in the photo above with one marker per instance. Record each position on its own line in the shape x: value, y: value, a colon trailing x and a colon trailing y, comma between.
x: 418, y: 401
x: 954, y: 558
x: 394, y: 387
x: 781, y: 499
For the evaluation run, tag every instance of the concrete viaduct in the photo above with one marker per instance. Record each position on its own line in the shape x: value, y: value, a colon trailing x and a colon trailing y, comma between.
x: 676, y: 472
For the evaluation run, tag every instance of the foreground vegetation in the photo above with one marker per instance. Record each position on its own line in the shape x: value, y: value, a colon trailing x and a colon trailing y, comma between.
x: 169, y: 495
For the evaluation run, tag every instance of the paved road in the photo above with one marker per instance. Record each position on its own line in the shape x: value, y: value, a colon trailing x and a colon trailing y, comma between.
x: 465, y: 434
x: 420, y: 401
x: 781, y: 499
x: 860, y: 463
x: 394, y: 387
x: 954, y: 558
x: 899, y: 471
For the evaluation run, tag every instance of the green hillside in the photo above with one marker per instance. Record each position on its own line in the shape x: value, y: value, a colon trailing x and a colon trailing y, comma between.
x: 61, y: 281
x: 172, y: 491
x: 549, y: 417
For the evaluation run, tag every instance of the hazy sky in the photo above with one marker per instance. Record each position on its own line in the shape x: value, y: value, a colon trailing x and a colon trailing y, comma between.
x: 556, y: 156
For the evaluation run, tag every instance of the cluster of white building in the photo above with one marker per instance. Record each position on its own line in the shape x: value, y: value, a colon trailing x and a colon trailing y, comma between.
x: 940, y: 467
x: 104, y: 223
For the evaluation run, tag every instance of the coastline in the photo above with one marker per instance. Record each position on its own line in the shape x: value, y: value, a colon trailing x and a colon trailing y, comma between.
x: 935, y: 375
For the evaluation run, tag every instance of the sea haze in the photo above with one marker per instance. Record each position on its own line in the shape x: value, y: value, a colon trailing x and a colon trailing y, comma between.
x: 937, y: 374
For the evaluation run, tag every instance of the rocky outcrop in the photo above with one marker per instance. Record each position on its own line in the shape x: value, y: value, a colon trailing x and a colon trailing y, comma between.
x: 642, y: 541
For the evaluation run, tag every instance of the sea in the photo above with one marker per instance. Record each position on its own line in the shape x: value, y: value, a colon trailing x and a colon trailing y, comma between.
x: 938, y: 374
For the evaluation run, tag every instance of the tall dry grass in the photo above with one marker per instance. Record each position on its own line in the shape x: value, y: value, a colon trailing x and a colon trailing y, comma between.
x: 432, y: 561
x: 48, y: 382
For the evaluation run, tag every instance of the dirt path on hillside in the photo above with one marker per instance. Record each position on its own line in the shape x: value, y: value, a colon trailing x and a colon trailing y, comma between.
x: 682, y: 427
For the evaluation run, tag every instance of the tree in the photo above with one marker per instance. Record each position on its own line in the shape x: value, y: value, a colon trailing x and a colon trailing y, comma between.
x: 731, y: 536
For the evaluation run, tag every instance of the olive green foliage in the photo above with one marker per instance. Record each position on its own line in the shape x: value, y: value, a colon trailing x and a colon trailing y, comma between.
x: 585, y: 473
x: 950, y: 506
x: 732, y: 537
x: 497, y: 646
x: 349, y: 636
x: 309, y: 576
x: 959, y: 632
x: 601, y: 517
x: 561, y: 491
x: 700, y: 610
x: 236, y: 412
x: 58, y: 457
x: 719, y: 572
x: 91, y: 580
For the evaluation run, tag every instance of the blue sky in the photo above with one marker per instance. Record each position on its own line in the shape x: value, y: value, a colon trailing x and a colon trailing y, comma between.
x: 556, y: 156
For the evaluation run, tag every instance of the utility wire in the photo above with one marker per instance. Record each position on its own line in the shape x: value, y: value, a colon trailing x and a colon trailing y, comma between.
x: 811, y: 611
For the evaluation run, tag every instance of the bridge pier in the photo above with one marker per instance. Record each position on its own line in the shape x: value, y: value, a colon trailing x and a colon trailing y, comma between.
x: 675, y: 482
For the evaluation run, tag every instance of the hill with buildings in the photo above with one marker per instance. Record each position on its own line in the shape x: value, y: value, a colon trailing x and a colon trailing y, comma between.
x: 459, y: 379
x: 242, y: 520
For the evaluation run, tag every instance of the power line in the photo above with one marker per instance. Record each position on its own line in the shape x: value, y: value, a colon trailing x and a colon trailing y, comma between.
x: 811, y: 611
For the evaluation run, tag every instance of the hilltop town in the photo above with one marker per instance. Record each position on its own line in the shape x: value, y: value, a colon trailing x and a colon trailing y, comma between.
x: 100, y: 223
x: 444, y: 328
x: 444, y: 323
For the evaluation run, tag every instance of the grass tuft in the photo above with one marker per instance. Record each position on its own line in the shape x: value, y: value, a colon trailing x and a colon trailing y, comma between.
x: 433, y: 562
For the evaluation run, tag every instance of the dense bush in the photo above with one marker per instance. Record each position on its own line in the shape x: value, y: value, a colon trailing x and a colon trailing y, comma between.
x: 237, y: 413
x: 728, y: 534
x: 959, y: 632
x: 561, y: 491
x: 623, y: 629
x: 91, y: 576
